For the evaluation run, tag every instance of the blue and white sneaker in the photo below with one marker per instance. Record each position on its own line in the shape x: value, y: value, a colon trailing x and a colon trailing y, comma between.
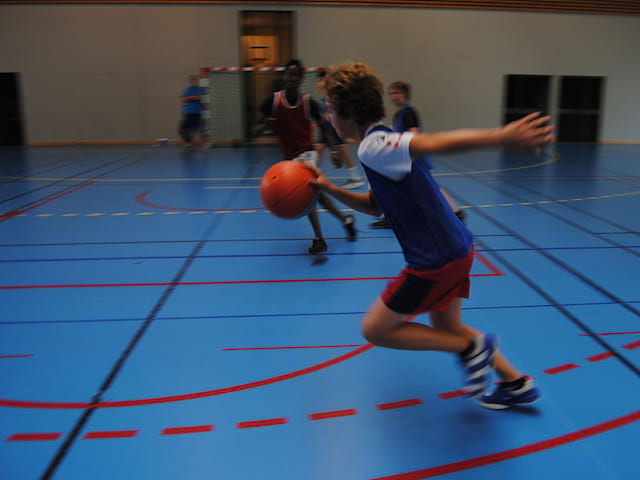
x: 478, y: 364
x: 504, y: 397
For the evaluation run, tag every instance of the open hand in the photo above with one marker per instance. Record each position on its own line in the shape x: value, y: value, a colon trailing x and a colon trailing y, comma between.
x: 320, y: 182
x: 529, y: 133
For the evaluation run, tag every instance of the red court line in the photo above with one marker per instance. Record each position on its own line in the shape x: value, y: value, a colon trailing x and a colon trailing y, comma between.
x: 401, y: 404
x: 188, y: 396
x: 111, y: 434
x: 190, y: 284
x: 166, y: 284
x: 9, y: 215
x: 600, y: 356
x: 246, y: 386
x: 453, y: 394
x: 516, y: 452
x: 631, y: 346
x: 17, y: 356
x: 561, y: 368
x: 141, y: 198
x: 192, y: 429
x: 334, y: 414
x: 30, y: 437
x: 495, y: 271
x: 262, y: 423
x: 287, y: 348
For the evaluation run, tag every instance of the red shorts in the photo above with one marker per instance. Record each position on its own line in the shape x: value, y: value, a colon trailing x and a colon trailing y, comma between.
x: 418, y: 291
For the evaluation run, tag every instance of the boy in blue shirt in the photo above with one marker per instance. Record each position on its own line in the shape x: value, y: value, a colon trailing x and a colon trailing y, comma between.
x: 406, y: 119
x: 437, y: 246
x: 192, y: 98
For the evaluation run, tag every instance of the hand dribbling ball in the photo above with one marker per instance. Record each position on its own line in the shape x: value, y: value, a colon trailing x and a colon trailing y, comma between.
x: 286, y: 192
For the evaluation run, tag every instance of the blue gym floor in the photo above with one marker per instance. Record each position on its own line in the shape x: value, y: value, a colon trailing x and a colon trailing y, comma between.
x: 158, y: 323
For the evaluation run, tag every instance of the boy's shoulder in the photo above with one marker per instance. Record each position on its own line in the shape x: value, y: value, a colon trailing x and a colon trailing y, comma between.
x: 386, y: 152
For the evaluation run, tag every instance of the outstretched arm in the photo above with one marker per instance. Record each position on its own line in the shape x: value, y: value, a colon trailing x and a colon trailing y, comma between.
x: 527, y: 133
x: 363, y: 202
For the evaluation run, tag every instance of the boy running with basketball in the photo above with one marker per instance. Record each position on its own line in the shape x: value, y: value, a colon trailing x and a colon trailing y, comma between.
x: 437, y: 246
x: 290, y: 112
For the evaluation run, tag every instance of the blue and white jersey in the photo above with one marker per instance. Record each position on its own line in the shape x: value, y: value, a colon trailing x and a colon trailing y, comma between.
x: 429, y: 232
x: 193, y: 106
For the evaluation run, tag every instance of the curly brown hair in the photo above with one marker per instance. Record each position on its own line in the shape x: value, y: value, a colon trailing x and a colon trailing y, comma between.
x: 354, y: 92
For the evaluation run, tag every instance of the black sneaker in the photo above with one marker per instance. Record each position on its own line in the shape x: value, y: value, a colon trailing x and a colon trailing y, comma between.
x: 384, y: 223
x: 350, y: 227
x: 318, y: 246
x: 461, y: 215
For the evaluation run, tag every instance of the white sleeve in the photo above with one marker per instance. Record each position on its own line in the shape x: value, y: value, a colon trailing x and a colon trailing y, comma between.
x: 387, y: 153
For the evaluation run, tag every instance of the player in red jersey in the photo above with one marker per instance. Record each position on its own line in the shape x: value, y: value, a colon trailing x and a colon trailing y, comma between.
x: 290, y: 113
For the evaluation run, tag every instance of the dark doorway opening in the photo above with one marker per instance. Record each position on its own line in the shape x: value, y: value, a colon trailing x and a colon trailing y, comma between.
x: 11, y: 131
x: 579, y: 109
x: 267, y: 41
x: 525, y: 94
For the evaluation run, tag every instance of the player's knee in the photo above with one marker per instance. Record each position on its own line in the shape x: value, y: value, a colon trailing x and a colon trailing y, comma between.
x: 373, y: 334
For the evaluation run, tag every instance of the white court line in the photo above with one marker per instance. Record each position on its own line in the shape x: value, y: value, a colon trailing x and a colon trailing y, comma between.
x: 552, y: 159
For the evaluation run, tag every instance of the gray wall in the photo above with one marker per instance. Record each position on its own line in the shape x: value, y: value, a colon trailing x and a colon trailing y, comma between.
x: 113, y: 73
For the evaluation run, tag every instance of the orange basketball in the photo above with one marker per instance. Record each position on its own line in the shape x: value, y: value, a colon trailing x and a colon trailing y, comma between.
x: 285, y: 190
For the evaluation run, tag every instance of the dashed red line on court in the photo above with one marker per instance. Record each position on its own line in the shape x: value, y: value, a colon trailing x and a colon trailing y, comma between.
x: 33, y: 437
x: 561, y: 368
x: 110, y: 434
x: 184, y: 430
x: 284, y: 420
x: 269, y: 422
x: 632, y: 346
x: 401, y: 404
x: 600, y: 356
x: 453, y: 394
x: 334, y: 414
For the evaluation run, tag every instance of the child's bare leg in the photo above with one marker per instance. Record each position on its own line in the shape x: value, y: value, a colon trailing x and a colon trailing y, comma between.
x: 451, y: 321
x: 320, y: 148
x: 327, y: 203
x: 384, y: 327
x: 348, y: 221
x: 318, y: 245
x: 346, y: 156
x: 315, y: 223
